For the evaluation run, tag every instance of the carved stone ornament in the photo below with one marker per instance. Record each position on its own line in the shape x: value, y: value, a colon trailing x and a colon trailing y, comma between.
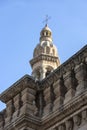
x: 61, y: 127
x: 84, y: 115
x: 77, y: 120
x: 69, y: 125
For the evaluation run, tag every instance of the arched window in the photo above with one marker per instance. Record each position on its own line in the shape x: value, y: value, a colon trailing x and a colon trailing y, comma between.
x: 47, y: 50
x: 46, y: 33
x: 48, y: 72
x: 53, y: 52
x: 38, y: 75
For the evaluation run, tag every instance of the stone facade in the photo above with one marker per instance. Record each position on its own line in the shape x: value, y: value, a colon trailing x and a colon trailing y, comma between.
x: 57, y: 102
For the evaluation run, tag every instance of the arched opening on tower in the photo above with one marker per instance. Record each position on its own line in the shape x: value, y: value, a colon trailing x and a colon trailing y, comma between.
x: 47, y: 50
x: 49, y: 70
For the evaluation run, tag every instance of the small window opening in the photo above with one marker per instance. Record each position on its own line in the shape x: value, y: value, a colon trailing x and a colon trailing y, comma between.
x: 47, y: 73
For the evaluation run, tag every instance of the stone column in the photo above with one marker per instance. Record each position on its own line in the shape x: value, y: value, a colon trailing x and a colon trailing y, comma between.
x: 28, y: 98
x: 9, y: 111
x: 70, y: 83
x: 77, y: 121
x: 42, y: 73
x: 59, y: 90
x: 55, y: 128
x: 61, y: 127
x: 84, y: 116
x: 81, y: 75
x: 47, y: 98
x: 69, y: 125
x: 26, y: 128
x: 17, y: 104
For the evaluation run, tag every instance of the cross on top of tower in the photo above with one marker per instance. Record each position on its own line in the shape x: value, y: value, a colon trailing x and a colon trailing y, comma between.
x: 46, y: 20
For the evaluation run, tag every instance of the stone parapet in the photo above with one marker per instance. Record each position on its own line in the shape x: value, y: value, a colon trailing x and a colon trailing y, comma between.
x: 58, y: 102
x: 74, y: 80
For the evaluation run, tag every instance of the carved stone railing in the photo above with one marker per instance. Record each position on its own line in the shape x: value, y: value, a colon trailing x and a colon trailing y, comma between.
x: 59, y: 90
x: 69, y: 80
x: 73, y: 123
x: 28, y: 98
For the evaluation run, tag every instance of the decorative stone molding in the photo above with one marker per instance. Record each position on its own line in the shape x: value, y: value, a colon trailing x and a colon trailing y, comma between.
x: 9, y: 111
x: 59, y: 90
x: 17, y: 88
x: 28, y: 97
x: 47, y: 98
x: 81, y: 75
x: 84, y: 115
x: 62, y: 127
x: 70, y: 83
x: 77, y: 120
x: 69, y: 125
x: 17, y: 104
x: 44, y: 57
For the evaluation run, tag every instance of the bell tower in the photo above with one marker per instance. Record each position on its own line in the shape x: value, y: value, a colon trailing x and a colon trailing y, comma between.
x: 45, y: 56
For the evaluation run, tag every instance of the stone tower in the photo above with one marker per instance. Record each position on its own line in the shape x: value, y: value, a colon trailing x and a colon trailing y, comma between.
x: 45, y: 56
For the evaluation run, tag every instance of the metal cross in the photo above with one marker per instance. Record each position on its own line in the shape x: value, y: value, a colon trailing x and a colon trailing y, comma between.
x: 46, y: 20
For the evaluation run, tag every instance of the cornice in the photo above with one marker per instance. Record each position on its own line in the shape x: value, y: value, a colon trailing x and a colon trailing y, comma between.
x: 43, y: 57
x: 25, y: 81
x: 27, y: 120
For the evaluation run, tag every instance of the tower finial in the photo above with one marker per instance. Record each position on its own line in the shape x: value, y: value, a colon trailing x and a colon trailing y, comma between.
x: 46, y: 20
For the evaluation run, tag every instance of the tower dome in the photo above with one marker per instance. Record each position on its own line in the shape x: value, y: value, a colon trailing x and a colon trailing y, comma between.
x: 46, y: 34
x: 46, y: 45
x: 46, y: 48
x: 45, y: 56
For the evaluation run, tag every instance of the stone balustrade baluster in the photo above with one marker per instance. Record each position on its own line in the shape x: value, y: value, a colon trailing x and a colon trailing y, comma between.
x: 69, y: 124
x: 28, y: 99
x: 61, y: 127
x: 55, y: 128
x: 17, y: 104
x: 84, y: 116
x: 70, y: 82
x: 59, y: 90
x: 9, y: 110
x: 77, y: 121
x: 47, y: 98
x: 81, y: 75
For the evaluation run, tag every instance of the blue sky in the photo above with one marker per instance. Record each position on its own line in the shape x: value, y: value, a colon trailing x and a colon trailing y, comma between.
x: 20, y: 24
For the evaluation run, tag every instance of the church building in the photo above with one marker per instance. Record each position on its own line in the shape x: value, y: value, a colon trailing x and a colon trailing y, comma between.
x: 54, y: 97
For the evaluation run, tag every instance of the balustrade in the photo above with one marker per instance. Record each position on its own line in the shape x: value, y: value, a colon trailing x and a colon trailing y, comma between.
x: 28, y: 99
x: 81, y: 75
